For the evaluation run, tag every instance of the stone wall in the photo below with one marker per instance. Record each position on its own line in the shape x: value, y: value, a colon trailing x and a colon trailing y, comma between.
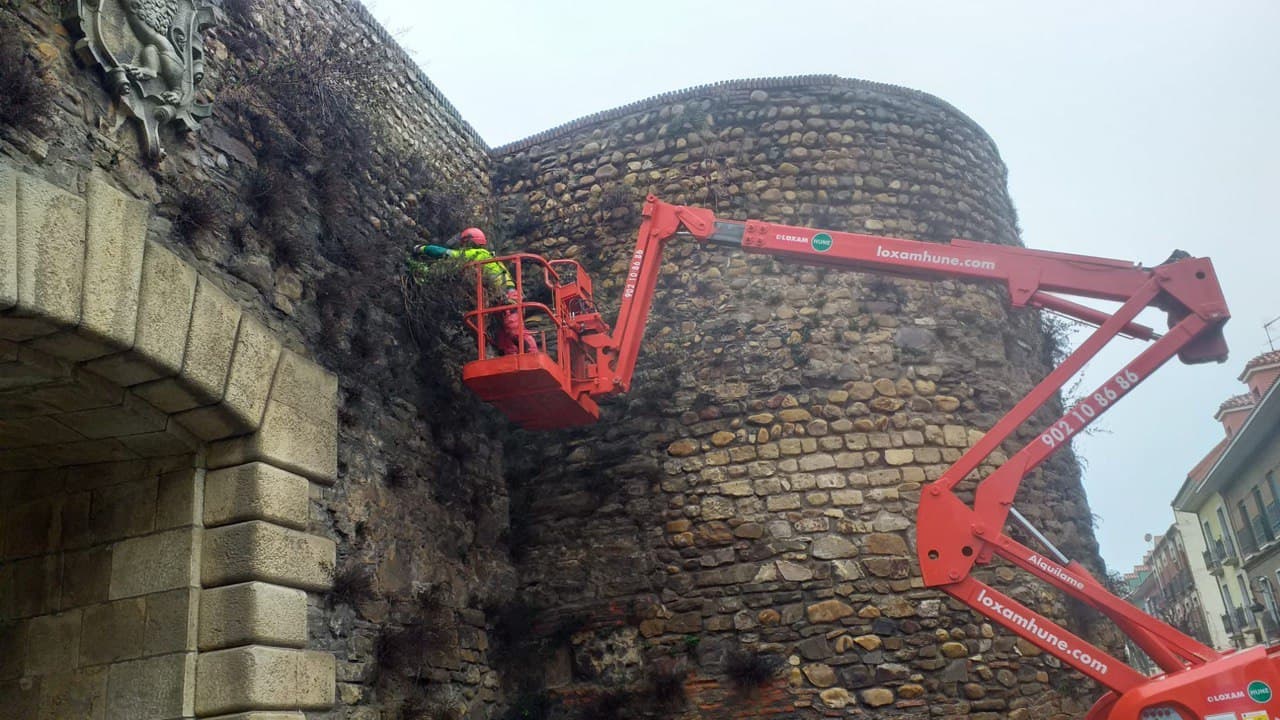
x: 293, y: 211
x: 756, y: 491
x: 237, y: 310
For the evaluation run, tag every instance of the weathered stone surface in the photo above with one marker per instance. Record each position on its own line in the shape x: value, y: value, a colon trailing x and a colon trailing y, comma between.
x: 299, y: 430
x: 157, y: 687
x: 171, y: 621
x: 8, y: 236
x: 828, y: 611
x: 115, y: 238
x: 877, y: 697
x: 837, y: 698
x: 253, y: 364
x: 885, y: 544
x: 53, y: 643
x: 255, y: 491
x: 263, y: 678
x: 253, y: 613
x: 831, y: 547
x: 792, y: 572
x: 206, y: 359
x: 50, y: 230
x: 820, y: 675
x: 113, y: 631
x: 257, y: 550
x: 155, y: 563
x: 165, y: 298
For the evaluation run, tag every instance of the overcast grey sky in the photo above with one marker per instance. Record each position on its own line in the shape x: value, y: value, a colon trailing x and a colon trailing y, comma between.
x: 1129, y: 129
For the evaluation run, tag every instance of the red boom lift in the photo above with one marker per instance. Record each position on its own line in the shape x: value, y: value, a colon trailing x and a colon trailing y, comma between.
x: 586, y: 359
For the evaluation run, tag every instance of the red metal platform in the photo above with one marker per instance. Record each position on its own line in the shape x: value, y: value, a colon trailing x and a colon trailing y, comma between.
x: 527, y: 388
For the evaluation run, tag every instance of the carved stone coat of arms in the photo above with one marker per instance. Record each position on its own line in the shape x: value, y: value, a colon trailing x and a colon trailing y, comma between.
x: 152, y: 53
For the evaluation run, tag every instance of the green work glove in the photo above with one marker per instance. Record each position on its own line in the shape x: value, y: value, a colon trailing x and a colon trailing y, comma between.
x: 431, y: 251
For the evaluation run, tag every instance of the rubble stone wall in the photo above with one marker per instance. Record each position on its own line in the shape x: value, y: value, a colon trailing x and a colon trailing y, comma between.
x: 756, y: 491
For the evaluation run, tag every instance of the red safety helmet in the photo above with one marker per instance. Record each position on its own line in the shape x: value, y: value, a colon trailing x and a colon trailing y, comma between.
x: 475, y: 236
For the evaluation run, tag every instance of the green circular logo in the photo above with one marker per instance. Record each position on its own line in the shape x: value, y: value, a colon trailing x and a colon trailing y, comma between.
x: 821, y: 242
x: 1259, y: 691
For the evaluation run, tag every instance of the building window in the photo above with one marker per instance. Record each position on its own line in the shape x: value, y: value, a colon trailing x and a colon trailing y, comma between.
x: 1246, y: 600
x: 1248, y: 540
x: 1273, y: 509
x: 1227, y: 533
x: 1261, y: 527
x: 1270, y: 621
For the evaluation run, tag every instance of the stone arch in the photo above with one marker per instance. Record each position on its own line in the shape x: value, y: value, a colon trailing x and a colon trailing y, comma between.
x: 158, y: 451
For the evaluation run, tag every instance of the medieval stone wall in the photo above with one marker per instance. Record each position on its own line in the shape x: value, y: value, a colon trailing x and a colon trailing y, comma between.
x: 756, y: 491
x: 296, y: 202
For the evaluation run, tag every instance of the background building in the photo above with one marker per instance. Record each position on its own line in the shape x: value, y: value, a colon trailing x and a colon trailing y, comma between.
x: 1234, y: 495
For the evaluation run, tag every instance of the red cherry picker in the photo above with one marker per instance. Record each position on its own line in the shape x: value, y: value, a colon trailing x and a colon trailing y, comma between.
x: 586, y: 359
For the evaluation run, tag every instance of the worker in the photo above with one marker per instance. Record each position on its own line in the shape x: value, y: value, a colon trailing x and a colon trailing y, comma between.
x: 473, y: 247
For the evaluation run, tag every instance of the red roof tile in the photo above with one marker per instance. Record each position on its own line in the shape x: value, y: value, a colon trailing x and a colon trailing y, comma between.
x: 1237, y: 402
x: 1201, y: 470
x: 1267, y: 358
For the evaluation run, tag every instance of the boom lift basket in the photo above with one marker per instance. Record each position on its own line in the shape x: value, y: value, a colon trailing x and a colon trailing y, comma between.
x: 540, y: 389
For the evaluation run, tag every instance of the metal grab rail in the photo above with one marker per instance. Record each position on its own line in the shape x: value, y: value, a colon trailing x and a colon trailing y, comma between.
x: 552, y: 277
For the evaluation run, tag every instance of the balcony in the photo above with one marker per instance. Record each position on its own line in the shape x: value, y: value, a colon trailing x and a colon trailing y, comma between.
x: 1243, y: 618
x: 1247, y: 547
x: 1213, y: 558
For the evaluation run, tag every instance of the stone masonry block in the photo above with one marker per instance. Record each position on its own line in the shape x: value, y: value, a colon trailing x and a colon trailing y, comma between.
x: 31, y: 528
x: 179, y: 500
x: 303, y: 385
x: 133, y: 416
x: 263, y: 678
x: 288, y: 438
x: 22, y: 367
x: 171, y: 621
x: 253, y: 613
x: 261, y: 716
x: 52, y: 643
x: 112, y: 631
x: 21, y: 698
x: 155, y: 563
x: 122, y: 510
x: 165, y: 297
x: 13, y: 648
x: 33, y: 431
x: 156, y: 687
x: 256, y: 491
x: 86, y: 576
x: 8, y: 237
x: 115, y: 239
x: 79, y: 694
x: 173, y: 439
x: 87, y: 451
x: 253, y: 366
x: 30, y: 587
x: 299, y: 429
x: 81, y: 390
x: 50, y: 260
x: 257, y: 550
x: 215, y: 318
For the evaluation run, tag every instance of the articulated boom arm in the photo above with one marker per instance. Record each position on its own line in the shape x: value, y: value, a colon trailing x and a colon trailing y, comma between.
x: 954, y: 536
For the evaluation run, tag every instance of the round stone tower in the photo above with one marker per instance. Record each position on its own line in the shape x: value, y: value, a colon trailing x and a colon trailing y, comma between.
x: 743, y: 521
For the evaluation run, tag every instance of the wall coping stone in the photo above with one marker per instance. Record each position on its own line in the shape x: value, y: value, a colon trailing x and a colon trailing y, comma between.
x: 724, y: 86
